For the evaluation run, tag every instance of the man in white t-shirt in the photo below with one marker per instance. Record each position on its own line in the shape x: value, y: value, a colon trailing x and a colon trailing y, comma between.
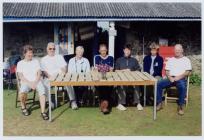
x: 29, y: 74
x: 177, y: 69
x: 52, y: 65
x: 79, y: 64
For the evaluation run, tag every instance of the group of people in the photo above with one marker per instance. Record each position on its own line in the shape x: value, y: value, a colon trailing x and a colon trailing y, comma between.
x: 30, y: 72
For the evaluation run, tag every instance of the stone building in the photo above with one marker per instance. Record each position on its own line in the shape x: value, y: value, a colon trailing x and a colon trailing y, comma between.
x: 88, y: 24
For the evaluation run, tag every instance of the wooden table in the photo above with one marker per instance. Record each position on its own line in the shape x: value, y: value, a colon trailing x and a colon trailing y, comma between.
x: 94, y: 78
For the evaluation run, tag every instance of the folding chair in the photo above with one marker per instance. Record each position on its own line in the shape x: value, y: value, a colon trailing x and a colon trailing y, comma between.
x: 169, y: 96
x: 18, y: 90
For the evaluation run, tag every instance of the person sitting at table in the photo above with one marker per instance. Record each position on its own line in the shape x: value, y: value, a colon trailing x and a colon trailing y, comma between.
x: 177, y: 69
x: 53, y: 64
x: 29, y: 73
x: 104, y: 62
x: 127, y: 63
x: 79, y: 64
x: 153, y: 64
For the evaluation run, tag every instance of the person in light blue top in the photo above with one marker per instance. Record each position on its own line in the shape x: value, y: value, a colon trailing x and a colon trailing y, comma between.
x: 79, y: 64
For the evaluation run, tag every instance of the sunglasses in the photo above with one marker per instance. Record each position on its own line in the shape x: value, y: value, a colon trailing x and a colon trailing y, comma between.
x: 51, y: 48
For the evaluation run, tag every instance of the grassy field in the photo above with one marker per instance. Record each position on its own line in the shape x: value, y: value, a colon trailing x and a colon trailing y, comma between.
x: 89, y: 121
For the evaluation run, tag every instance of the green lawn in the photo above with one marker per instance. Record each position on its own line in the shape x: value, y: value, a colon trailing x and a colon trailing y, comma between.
x: 89, y: 121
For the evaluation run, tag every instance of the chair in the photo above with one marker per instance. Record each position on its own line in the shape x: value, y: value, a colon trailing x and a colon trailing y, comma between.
x: 17, y: 92
x: 168, y: 93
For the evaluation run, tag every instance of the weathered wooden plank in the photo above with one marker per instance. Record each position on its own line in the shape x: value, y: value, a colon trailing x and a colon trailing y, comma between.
x: 67, y: 77
x: 135, y: 76
x: 81, y: 77
x: 109, y: 76
x: 88, y: 77
x: 60, y: 77
x: 142, y: 76
x: 122, y: 76
x: 74, y: 77
x: 149, y: 76
x: 129, y: 76
x: 54, y: 77
x: 95, y: 75
x: 116, y: 77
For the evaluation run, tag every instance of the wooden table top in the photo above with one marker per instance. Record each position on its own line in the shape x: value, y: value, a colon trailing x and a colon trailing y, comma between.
x: 94, y: 78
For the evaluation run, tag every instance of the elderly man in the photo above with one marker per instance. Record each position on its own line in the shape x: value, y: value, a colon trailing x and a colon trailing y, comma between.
x: 53, y: 64
x: 104, y: 62
x: 29, y: 73
x: 177, y: 69
x: 127, y: 63
x: 79, y: 64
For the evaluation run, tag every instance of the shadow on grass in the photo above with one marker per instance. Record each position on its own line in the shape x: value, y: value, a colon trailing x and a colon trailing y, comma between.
x: 53, y: 119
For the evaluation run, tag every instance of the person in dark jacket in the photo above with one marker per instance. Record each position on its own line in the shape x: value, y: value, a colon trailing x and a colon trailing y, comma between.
x: 153, y: 63
x: 127, y: 63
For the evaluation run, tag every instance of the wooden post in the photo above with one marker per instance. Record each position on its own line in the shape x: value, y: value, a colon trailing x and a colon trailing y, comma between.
x: 70, y: 40
x: 56, y: 41
x: 112, y: 34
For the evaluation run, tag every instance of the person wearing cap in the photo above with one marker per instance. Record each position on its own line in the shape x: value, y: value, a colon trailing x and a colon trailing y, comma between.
x: 127, y: 63
x: 153, y: 64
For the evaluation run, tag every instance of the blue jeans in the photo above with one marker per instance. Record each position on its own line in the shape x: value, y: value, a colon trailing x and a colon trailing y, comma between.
x: 180, y: 85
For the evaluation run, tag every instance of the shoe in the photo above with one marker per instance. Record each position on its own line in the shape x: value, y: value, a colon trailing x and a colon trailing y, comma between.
x: 44, y: 116
x: 25, y: 112
x: 104, y: 107
x: 121, y: 107
x: 74, y: 105
x: 180, y: 110
x: 159, y: 107
x: 139, y: 107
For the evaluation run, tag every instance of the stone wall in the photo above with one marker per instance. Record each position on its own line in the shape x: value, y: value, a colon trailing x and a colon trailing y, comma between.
x: 15, y: 35
x: 186, y: 33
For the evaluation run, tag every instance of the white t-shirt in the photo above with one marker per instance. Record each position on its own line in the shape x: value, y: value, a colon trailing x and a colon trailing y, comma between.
x: 53, y: 64
x: 178, y: 66
x: 29, y: 69
x: 152, y: 65
x: 79, y: 66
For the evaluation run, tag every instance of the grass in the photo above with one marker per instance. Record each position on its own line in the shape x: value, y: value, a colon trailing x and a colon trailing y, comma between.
x: 88, y: 121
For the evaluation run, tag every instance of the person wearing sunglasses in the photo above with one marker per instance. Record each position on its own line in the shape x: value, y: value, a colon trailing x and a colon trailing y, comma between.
x: 53, y: 64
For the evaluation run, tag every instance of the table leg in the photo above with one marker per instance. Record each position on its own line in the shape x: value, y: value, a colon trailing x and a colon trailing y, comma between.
x: 50, y: 103
x: 155, y: 101
x: 145, y: 95
x: 56, y: 96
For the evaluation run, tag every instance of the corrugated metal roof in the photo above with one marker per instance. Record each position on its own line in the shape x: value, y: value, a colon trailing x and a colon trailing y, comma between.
x: 97, y: 11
